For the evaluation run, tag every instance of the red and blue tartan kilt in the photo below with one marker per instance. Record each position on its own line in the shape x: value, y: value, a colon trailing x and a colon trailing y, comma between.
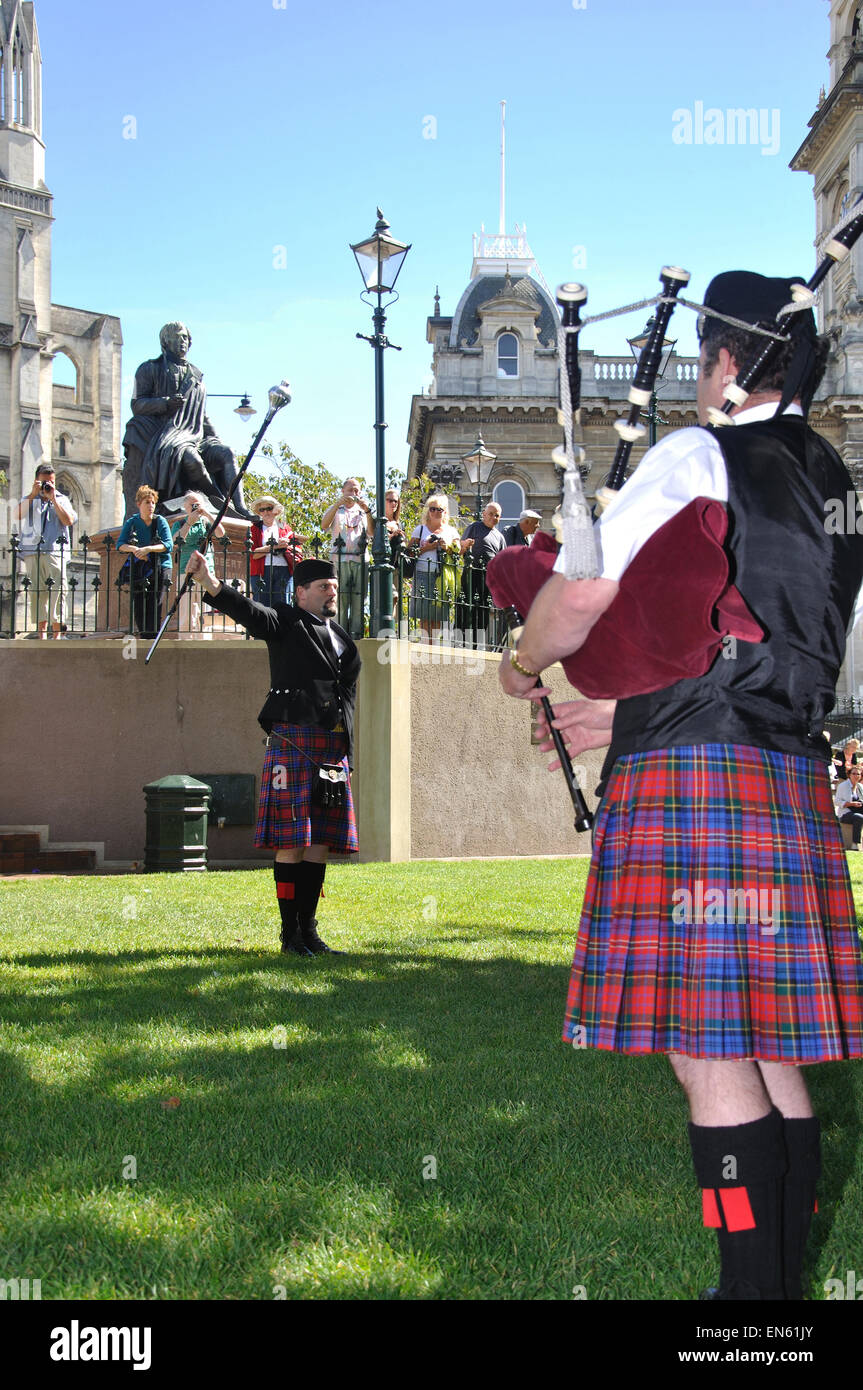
x: 287, y: 817
x: 718, y: 919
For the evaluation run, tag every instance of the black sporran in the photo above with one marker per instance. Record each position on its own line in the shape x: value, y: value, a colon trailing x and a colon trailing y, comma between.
x: 330, y: 786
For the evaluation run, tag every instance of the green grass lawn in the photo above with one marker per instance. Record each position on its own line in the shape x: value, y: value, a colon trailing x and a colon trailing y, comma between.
x: 316, y: 1098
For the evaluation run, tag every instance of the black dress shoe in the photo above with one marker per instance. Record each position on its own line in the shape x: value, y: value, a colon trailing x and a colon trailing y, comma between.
x: 738, y: 1291
x: 294, y: 946
x: 308, y: 932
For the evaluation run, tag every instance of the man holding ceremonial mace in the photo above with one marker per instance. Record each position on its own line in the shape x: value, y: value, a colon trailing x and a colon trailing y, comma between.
x: 305, y: 807
x: 718, y: 925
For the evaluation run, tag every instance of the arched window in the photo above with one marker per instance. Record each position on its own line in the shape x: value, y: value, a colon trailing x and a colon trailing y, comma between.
x: 65, y: 372
x: 509, y: 496
x: 63, y: 444
x: 507, y: 355
x: 17, y: 81
x: 843, y: 202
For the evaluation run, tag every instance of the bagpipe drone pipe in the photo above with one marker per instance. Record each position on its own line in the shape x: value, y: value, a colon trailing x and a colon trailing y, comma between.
x: 676, y: 603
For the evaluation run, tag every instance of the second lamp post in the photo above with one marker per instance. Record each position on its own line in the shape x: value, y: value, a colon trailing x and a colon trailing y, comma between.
x: 380, y: 258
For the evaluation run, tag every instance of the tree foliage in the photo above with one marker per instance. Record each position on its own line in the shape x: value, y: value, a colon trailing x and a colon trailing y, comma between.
x: 306, y: 490
x: 414, y: 493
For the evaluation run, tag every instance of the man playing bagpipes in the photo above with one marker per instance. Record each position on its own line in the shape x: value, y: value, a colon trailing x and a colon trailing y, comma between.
x: 718, y: 925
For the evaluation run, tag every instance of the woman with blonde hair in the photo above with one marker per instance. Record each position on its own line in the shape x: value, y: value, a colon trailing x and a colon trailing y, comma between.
x: 438, y: 550
x: 189, y: 535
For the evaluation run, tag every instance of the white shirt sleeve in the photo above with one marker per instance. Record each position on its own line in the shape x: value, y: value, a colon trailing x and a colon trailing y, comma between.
x: 684, y: 465
x: 67, y: 503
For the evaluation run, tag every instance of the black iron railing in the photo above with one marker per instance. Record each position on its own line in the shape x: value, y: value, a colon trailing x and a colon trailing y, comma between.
x: 93, y: 589
x: 845, y: 721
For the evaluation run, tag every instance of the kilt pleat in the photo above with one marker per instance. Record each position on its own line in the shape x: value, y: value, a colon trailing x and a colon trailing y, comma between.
x: 287, y: 816
x: 718, y: 919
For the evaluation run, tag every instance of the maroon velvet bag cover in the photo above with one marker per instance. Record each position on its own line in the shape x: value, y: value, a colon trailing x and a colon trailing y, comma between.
x: 668, y: 621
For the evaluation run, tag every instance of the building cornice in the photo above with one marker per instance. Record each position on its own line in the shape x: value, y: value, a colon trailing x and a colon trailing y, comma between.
x: 26, y: 199
x: 845, y: 98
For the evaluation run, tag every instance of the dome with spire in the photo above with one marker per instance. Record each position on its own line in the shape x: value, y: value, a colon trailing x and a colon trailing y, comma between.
x: 486, y: 290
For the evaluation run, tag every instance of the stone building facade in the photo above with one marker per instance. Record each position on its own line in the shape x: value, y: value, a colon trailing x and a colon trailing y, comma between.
x: 495, y: 371
x: 60, y: 368
x: 833, y: 154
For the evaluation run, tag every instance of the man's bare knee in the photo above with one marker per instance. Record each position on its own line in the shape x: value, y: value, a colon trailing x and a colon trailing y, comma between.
x: 721, y: 1093
x: 787, y: 1089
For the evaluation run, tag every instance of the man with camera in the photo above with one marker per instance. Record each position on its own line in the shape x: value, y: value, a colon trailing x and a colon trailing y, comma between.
x: 46, y: 515
x: 350, y: 523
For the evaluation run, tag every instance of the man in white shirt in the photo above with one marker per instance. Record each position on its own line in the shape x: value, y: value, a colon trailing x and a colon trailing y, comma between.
x: 718, y: 924
x: 347, y: 520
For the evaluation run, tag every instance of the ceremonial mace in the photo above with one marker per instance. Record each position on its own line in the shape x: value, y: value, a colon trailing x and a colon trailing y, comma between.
x: 278, y: 396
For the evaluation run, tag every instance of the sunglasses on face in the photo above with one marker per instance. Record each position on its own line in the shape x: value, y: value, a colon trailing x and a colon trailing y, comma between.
x: 266, y: 509
x: 436, y: 509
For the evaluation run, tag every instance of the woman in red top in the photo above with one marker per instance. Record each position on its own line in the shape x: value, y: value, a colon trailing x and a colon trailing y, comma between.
x: 272, y: 566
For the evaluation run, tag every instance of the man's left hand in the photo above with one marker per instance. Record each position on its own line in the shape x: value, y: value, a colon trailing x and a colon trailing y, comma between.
x: 518, y: 686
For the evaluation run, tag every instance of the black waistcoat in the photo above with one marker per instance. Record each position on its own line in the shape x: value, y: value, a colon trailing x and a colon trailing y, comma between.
x: 800, y: 576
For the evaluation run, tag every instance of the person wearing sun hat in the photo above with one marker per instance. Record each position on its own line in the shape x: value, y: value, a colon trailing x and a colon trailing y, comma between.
x: 306, y: 805
x: 718, y: 925
x: 275, y: 550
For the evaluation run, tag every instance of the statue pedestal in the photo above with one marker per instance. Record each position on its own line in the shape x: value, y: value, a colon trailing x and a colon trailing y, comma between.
x: 114, y: 614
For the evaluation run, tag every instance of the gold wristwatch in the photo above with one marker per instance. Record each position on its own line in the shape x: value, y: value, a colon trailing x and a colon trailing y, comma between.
x: 522, y: 670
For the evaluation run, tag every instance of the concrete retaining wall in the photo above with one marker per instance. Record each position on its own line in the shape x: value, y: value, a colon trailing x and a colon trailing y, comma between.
x: 444, y: 764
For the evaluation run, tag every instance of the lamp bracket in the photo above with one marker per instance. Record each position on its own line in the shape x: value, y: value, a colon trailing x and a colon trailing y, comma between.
x: 394, y: 295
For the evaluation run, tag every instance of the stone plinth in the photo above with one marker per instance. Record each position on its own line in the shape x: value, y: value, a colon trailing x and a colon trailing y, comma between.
x: 113, y: 608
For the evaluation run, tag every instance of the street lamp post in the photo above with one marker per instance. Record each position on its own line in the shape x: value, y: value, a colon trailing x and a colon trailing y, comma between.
x: 478, y: 465
x: 668, y: 346
x: 245, y: 409
x: 380, y: 258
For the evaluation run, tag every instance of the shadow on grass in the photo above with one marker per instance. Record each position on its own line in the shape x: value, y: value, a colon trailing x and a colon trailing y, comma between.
x: 312, y: 1096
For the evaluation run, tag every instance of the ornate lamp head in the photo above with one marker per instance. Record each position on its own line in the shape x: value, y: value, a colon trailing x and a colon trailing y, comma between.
x: 279, y: 395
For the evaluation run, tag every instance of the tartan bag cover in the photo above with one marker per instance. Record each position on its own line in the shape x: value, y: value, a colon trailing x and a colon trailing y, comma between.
x: 718, y: 919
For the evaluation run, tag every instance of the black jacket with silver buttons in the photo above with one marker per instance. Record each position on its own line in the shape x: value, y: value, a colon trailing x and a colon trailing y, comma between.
x: 308, y: 683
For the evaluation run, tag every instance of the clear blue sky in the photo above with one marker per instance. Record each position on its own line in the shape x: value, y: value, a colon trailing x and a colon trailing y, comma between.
x: 260, y: 127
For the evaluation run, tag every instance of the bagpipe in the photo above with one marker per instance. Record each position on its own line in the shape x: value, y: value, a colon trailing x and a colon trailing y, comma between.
x: 676, y: 604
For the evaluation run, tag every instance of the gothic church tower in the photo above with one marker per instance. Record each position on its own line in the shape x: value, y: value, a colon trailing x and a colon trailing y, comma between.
x: 60, y: 368
x: 25, y: 250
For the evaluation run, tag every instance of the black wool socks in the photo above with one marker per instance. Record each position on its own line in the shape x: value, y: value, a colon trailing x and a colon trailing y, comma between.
x: 803, y: 1150
x: 309, y: 881
x: 286, y: 892
x: 740, y: 1169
